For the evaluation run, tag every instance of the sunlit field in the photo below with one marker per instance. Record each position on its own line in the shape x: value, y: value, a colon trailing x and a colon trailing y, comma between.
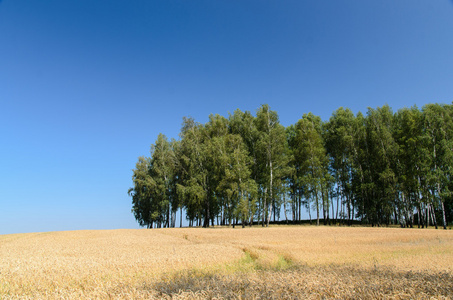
x: 292, y: 262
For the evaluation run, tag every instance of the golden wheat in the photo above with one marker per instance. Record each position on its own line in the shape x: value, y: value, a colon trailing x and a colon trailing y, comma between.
x: 250, y: 263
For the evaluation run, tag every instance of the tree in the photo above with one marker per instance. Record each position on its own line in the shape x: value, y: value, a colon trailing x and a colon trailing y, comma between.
x: 271, y: 149
x: 244, y: 125
x: 311, y: 155
x: 439, y: 126
x: 341, y: 146
x: 382, y: 154
x: 413, y: 163
x: 383, y: 168
x: 294, y: 174
x: 141, y: 192
x: 237, y: 186
x: 193, y: 186
x: 162, y: 171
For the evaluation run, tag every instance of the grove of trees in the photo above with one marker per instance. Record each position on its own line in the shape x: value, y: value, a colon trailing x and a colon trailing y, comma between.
x: 381, y: 168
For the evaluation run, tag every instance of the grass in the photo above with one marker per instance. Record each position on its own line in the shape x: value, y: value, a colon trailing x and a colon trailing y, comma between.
x: 281, y: 262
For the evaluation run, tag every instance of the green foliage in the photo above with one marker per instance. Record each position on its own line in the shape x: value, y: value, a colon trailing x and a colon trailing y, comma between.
x: 272, y: 159
x: 141, y: 193
x: 310, y: 154
x: 380, y: 168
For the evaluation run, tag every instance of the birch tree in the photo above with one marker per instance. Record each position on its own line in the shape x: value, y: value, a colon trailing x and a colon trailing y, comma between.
x: 311, y: 155
x: 271, y: 148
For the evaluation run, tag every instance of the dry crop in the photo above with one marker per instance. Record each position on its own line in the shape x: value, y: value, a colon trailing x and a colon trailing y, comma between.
x: 292, y: 262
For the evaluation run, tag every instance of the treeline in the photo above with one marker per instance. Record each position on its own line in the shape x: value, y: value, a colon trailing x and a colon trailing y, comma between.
x: 379, y: 168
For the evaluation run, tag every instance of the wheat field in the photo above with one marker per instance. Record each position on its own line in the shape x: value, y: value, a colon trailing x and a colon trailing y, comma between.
x: 280, y: 262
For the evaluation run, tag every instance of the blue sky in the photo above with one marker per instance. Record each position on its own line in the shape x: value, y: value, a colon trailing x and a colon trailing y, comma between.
x: 86, y: 86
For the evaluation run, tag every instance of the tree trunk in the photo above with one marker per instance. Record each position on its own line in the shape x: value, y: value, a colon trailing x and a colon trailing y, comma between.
x: 427, y: 215
x: 269, y: 215
x: 418, y: 217
x: 284, y: 208
x: 270, y: 194
x: 444, y: 220
x: 180, y: 219
x: 264, y: 209
x: 333, y: 211
x: 433, y: 217
x: 300, y: 205
x: 206, y: 220
x: 294, y: 218
x: 317, y: 208
x: 274, y: 209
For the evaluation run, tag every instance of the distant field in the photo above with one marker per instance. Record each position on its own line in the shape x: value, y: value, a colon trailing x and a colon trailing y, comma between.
x: 289, y: 262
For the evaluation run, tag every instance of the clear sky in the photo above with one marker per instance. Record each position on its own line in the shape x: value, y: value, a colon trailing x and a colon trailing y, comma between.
x: 86, y: 86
